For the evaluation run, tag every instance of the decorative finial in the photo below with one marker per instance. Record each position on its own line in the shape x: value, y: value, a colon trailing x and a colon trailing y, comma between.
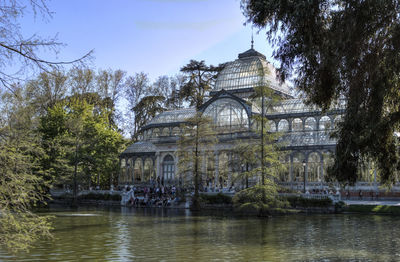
x: 252, y: 41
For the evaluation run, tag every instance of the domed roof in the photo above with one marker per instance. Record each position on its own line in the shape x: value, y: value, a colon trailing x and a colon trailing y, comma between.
x: 140, y: 147
x: 173, y: 116
x: 249, y: 70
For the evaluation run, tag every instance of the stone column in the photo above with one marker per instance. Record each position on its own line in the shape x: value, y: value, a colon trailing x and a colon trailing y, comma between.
x: 229, y: 169
x: 203, y: 167
x: 322, y: 169
x: 133, y: 161
x: 142, y: 175
x: 121, y: 171
x: 158, y: 171
x: 306, y: 174
x: 126, y: 170
x: 291, y: 169
x: 216, y: 167
x: 176, y: 171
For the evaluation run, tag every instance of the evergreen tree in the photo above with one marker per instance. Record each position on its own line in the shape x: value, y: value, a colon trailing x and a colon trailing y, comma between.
x: 200, y: 79
x: 196, y: 142
x: 147, y: 108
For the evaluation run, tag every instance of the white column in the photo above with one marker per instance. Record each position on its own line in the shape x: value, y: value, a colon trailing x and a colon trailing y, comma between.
x: 291, y: 169
x: 158, y: 171
x: 216, y: 167
x: 142, y: 175
x: 203, y: 167
x: 176, y: 172
x: 229, y: 169
x: 322, y: 169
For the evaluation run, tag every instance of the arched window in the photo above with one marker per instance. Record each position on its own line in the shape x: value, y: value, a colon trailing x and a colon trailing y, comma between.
x: 310, y: 124
x: 138, y: 170
x: 271, y: 126
x: 228, y: 113
x: 168, y: 169
x: 123, y: 178
x: 328, y: 159
x: 325, y: 123
x: 297, y: 124
x: 156, y: 132
x: 165, y: 131
x: 148, y: 169
x: 314, y: 167
x: 283, y: 125
x: 298, y: 169
x: 338, y: 119
x: 176, y: 131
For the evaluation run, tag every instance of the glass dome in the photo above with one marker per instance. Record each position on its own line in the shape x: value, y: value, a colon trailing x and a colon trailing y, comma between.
x: 173, y: 116
x: 249, y: 70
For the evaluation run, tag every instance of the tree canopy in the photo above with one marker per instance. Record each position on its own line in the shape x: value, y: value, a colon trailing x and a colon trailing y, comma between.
x: 200, y: 78
x: 343, y: 49
x: 196, y: 143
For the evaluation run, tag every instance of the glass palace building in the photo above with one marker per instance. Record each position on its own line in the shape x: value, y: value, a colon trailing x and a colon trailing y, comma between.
x: 305, y: 131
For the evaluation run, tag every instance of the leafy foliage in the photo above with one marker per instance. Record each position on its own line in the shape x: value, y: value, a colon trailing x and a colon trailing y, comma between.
x: 196, y: 142
x: 259, y: 198
x: 80, y: 139
x: 343, y: 49
x: 200, y: 79
x: 21, y: 182
x: 147, y: 108
x: 216, y: 199
x: 296, y: 201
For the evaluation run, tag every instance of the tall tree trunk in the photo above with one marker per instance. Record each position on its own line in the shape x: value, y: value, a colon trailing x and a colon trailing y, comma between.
x: 262, y: 139
x: 196, y: 203
x: 75, y: 190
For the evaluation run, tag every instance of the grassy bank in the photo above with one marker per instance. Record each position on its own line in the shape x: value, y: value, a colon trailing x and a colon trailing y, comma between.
x: 373, y: 209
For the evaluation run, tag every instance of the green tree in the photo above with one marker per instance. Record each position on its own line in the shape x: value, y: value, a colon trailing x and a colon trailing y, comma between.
x: 343, y: 49
x: 78, y: 130
x: 147, y: 108
x: 110, y: 85
x: 20, y: 180
x: 47, y: 89
x: 263, y: 153
x: 200, y: 78
x: 244, y: 159
x: 196, y: 142
x: 21, y: 183
x: 136, y: 87
x: 267, y: 149
x: 174, y: 100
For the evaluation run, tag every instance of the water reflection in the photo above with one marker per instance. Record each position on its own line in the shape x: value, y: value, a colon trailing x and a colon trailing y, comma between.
x: 126, y: 234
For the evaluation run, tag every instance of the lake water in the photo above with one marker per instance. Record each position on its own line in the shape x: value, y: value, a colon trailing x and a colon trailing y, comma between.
x: 127, y: 234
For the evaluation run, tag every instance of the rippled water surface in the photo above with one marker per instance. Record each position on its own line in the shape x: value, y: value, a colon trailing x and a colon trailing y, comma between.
x: 123, y: 234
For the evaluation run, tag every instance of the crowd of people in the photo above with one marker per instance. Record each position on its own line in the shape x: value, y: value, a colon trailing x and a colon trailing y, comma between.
x: 152, y: 196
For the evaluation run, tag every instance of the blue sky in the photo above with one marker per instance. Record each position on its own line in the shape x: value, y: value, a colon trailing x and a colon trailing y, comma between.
x: 154, y: 36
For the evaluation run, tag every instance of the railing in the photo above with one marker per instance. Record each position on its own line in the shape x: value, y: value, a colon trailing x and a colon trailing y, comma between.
x: 60, y: 192
x: 334, y: 197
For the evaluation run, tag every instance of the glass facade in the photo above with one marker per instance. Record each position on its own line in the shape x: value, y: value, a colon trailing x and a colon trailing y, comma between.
x: 248, y: 72
x: 228, y: 114
x: 305, y: 130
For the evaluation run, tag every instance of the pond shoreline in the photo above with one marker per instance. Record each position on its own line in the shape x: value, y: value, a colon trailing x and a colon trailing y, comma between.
x: 204, y: 208
x: 367, y: 209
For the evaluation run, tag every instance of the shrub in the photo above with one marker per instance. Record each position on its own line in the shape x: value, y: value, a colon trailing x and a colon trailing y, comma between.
x: 262, y: 199
x: 297, y: 201
x: 216, y: 199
